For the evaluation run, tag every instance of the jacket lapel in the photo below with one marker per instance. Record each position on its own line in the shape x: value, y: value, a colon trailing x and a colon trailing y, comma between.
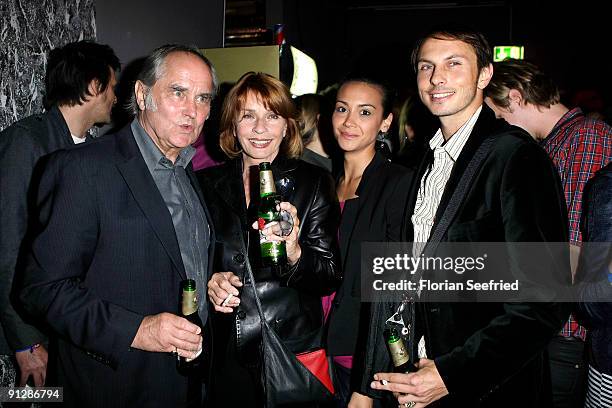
x: 196, y: 187
x: 347, y: 225
x: 228, y: 184
x: 145, y: 193
x: 484, y: 126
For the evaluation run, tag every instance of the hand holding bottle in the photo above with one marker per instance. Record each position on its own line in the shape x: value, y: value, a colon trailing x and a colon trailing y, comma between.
x: 166, y: 333
x: 285, y: 230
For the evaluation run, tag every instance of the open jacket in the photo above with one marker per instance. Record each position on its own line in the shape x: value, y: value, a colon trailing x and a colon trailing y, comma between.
x: 291, y: 301
x: 375, y: 215
x: 592, y: 277
x: 107, y: 256
x: 490, y: 354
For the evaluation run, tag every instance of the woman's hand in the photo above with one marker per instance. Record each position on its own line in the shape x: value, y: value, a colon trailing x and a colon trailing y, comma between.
x: 222, y: 291
x: 360, y: 401
x: 294, y: 252
x: 291, y: 241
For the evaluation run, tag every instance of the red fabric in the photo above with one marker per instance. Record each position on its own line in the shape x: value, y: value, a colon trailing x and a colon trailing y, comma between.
x: 202, y: 159
x: 316, y: 362
x: 578, y: 146
x: 344, y: 361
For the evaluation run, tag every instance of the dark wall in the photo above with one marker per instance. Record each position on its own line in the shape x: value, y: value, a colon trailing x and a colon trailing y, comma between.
x: 568, y: 43
x: 135, y: 27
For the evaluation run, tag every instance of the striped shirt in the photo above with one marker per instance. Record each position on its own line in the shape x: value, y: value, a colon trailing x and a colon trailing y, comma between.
x: 435, y: 178
x: 432, y: 187
x: 599, y: 390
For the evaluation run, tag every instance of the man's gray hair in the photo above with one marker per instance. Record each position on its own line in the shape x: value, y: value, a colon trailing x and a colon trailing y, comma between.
x: 153, y: 68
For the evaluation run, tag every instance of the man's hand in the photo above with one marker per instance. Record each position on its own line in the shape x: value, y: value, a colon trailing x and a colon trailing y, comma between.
x: 222, y: 291
x: 360, y: 401
x: 422, y: 387
x: 32, y: 363
x: 165, y: 333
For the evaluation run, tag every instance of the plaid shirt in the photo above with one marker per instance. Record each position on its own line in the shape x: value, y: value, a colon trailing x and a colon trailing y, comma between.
x: 578, y: 146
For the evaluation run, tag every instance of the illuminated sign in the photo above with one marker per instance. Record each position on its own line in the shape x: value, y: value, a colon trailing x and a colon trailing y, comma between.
x: 502, y: 52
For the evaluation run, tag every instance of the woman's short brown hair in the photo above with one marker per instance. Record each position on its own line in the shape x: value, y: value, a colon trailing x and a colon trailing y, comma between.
x: 275, y: 96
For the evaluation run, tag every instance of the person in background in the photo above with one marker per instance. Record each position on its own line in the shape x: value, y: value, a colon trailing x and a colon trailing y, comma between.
x: 258, y: 124
x: 415, y: 127
x: 309, y: 114
x: 372, y: 193
x: 524, y: 96
x: 79, y: 92
x: 472, y: 354
x: 124, y: 222
x: 594, y: 280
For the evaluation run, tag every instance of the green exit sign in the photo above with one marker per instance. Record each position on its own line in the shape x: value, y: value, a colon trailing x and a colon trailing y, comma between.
x: 502, y: 52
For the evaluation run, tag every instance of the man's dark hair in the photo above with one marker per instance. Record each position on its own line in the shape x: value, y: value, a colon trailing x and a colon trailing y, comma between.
x: 153, y: 66
x: 484, y: 52
x: 71, y: 68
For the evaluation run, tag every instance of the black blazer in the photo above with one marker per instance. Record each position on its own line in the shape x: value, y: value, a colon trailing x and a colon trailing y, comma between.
x: 23, y: 146
x: 107, y: 257
x: 375, y: 215
x: 493, y: 354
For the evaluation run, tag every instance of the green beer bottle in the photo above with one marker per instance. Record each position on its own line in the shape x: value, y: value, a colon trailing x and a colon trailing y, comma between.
x: 397, y: 351
x: 273, y: 253
x: 189, y: 310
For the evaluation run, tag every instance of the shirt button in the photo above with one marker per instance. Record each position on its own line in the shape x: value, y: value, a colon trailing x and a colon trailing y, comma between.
x: 238, y: 258
x: 241, y: 314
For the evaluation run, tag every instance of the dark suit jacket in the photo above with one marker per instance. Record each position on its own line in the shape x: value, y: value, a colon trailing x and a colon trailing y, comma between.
x: 493, y: 354
x: 375, y: 215
x: 107, y: 257
x: 23, y: 146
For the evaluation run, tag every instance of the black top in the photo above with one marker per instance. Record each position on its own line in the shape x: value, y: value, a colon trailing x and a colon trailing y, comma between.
x: 375, y: 215
x: 315, y: 158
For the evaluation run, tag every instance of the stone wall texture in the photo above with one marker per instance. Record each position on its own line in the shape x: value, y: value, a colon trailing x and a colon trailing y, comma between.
x: 28, y: 30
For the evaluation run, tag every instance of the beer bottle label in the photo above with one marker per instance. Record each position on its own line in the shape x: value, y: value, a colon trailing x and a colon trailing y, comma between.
x: 189, y: 304
x: 398, y: 352
x: 266, y: 183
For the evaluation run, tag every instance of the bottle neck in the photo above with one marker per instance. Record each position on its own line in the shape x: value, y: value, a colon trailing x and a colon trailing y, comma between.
x: 266, y: 183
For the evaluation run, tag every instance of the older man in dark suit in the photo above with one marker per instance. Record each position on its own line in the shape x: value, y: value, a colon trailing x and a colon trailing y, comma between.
x: 123, y: 224
x: 79, y: 92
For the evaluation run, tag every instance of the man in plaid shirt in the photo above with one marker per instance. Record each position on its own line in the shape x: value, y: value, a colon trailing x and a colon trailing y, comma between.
x: 579, y: 146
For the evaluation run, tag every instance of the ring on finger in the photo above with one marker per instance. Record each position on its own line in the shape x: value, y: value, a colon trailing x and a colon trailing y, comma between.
x: 409, y: 404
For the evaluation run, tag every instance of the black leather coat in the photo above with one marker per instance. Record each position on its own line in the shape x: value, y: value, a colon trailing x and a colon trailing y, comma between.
x: 291, y: 302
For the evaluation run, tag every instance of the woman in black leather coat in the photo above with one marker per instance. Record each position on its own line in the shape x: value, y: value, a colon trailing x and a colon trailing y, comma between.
x: 258, y: 125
